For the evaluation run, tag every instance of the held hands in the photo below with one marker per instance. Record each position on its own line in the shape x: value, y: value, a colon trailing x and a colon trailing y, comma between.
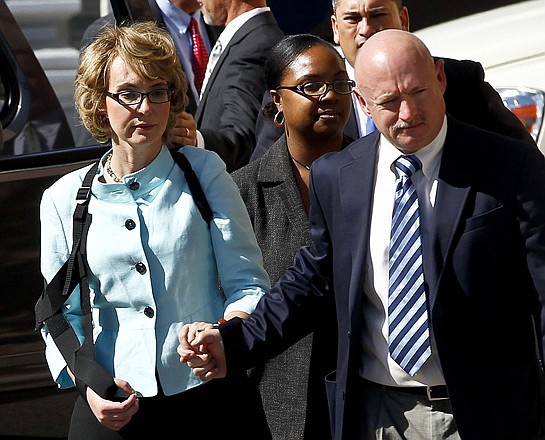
x: 114, y: 415
x: 201, y: 347
x: 185, y: 130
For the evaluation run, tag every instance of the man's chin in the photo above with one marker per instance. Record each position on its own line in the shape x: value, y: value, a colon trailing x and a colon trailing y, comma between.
x: 208, y: 20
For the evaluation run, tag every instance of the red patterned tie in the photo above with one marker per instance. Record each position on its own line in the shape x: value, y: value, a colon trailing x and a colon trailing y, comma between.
x: 200, y: 54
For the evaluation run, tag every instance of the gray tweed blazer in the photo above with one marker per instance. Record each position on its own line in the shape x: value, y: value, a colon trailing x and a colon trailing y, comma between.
x: 293, y: 393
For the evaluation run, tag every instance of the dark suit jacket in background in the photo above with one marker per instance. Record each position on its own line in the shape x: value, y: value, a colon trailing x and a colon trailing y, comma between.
x: 469, y: 98
x: 109, y: 20
x: 484, y: 262
x: 213, y: 33
x: 292, y: 383
x: 226, y: 115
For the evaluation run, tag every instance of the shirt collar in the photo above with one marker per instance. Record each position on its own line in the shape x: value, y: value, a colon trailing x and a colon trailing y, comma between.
x: 175, y: 16
x: 148, y: 178
x: 349, y: 69
x: 430, y: 155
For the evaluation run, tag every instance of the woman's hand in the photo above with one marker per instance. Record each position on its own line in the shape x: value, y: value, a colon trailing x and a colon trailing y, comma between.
x: 114, y: 415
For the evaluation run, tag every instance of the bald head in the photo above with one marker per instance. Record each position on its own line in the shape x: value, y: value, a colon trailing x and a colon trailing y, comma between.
x: 391, y: 54
x: 391, y: 50
x: 401, y: 88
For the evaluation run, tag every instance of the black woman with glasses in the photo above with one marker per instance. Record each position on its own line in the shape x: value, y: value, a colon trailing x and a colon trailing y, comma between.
x: 311, y: 99
x: 153, y: 262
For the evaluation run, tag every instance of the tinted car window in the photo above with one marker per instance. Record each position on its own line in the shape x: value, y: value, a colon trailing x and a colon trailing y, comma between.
x: 31, y: 115
x: 9, y: 90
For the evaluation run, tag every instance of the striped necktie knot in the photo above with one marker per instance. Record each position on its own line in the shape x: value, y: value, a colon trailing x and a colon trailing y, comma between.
x: 407, y: 165
x: 406, y: 200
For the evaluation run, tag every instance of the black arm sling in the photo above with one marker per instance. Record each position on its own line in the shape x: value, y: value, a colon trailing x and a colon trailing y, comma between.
x: 80, y: 358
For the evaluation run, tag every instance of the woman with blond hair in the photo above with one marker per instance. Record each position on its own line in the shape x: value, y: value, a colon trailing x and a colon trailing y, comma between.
x: 153, y: 263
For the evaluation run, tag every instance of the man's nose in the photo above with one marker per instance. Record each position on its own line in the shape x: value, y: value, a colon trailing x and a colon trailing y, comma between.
x: 367, y: 28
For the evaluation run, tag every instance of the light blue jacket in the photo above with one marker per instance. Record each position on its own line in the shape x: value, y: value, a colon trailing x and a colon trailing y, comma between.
x: 154, y: 265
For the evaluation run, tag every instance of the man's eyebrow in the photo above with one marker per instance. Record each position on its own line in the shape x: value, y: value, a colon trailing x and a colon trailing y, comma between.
x: 384, y: 98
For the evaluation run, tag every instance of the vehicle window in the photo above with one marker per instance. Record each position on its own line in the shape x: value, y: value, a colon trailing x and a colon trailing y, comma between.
x: 8, y: 90
x: 2, y: 95
x: 2, y: 101
x: 39, y: 50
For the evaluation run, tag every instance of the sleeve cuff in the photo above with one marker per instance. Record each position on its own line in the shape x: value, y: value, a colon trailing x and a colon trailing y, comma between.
x: 200, y: 140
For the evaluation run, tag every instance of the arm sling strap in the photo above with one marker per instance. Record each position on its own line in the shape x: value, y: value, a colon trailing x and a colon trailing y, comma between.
x: 80, y: 358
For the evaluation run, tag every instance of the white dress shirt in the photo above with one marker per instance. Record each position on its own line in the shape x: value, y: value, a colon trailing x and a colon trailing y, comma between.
x: 377, y: 365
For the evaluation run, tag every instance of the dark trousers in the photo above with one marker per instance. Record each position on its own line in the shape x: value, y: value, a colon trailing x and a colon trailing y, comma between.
x: 217, y: 409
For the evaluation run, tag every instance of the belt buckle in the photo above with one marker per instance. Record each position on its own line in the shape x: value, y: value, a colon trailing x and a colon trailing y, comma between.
x: 431, y: 397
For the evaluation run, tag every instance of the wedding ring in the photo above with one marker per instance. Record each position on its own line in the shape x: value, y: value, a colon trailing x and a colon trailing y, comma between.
x: 187, y: 132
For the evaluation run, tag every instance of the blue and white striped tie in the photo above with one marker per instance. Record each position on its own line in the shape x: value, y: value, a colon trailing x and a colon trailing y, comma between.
x: 409, y: 338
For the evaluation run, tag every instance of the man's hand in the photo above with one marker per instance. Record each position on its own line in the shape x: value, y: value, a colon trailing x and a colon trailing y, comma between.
x: 201, y: 347
x: 114, y: 415
x: 185, y: 130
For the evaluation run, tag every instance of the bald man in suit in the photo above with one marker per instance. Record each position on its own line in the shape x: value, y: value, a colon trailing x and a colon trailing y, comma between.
x: 474, y: 370
x: 468, y: 96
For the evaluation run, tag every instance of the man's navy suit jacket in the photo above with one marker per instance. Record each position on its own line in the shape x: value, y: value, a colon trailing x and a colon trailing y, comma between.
x: 484, y: 262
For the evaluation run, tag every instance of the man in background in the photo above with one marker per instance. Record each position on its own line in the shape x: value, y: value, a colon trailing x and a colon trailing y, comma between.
x: 354, y: 22
x: 184, y: 21
x: 234, y: 83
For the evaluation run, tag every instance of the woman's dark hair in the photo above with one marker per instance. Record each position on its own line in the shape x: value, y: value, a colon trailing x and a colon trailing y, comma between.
x: 283, y: 55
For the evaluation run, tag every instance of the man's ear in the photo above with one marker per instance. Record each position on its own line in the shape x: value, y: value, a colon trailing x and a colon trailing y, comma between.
x: 335, y: 30
x: 440, y: 73
x: 404, y: 16
x: 362, y: 102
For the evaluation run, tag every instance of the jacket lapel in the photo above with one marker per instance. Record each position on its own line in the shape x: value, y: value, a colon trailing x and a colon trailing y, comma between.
x: 356, y: 189
x: 254, y: 22
x: 279, y: 184
x: 455, y: 178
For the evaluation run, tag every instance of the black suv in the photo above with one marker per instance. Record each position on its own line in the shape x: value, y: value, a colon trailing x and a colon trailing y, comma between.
x: 36, y: 148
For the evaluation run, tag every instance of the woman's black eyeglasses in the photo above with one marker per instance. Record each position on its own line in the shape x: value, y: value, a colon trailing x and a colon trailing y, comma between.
x: 320, y: 88
x: 129, y: 97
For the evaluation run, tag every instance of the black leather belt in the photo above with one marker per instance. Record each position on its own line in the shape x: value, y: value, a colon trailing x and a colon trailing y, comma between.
x: 435, y: 392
